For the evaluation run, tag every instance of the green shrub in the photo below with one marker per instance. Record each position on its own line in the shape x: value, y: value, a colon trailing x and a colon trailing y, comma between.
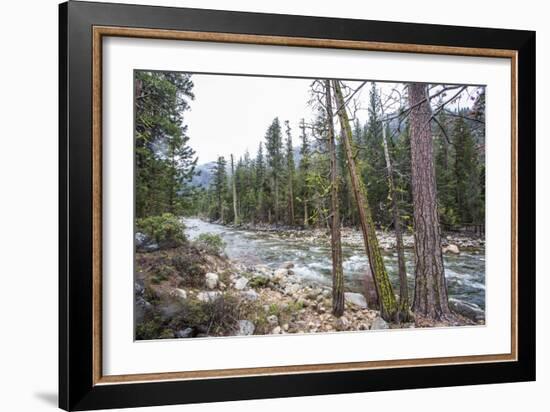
x: 166, y: 230
x: 210, y: 243
x: 150, y: 329
x: 258, y: 282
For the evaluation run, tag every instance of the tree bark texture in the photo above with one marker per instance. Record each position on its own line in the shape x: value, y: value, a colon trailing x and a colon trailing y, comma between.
x: 386, y: 297
x: 430, y: 295
x: 335, y: 239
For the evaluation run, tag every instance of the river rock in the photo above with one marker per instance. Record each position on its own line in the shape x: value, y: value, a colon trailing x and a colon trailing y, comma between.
x: 276, y: 330
x: 280, y: 275
x: 291, y: 289
x: 302, y: 302
x: 181, y: 293
x: 251, y: 295
x: 246, y: 327
x: 469, y: 310
x: 144, y: 243
x: 262, y: 270
x: 342, y: 323
x: 356, y: 299
x: 211, y: 280
x: 184, y: 333
x: 287, y: 265
x: 379, y: 323
x: 451, y: 249
x: 273, y: 320
x: 209, y: 296
x: 139, y: 289
x: 241, y: 283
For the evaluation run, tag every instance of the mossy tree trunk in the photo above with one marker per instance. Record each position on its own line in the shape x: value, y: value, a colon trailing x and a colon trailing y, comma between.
x: 386, y: 297
x: 430, y: 295
x: 335, y: 237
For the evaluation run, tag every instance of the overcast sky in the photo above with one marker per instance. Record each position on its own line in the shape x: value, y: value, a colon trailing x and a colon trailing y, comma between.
x: 230, y: 114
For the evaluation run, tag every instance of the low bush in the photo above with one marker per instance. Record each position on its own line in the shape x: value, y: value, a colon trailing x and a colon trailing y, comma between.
x: 211, y: 243
x: 166, y: 230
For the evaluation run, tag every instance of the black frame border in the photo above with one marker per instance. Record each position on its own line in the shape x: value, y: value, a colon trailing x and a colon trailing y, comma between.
x: 76, y: 388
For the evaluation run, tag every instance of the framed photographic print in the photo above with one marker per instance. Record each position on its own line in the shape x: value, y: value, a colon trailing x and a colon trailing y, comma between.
x: 256, y: 205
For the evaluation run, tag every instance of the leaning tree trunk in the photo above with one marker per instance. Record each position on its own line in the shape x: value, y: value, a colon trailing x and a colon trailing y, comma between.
x: 384, y: 290
x: 235, y: 212
x: 430, y: 295
x: 404, y: 307
x: 335, y: 240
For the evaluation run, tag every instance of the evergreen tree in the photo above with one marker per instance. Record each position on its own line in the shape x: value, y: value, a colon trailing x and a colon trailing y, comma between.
x: 373, y: 165
x: 467, y: 174
x: 219, y: 187
x: 164, y: 161
x: 304, y: 168
x: 274, y: 148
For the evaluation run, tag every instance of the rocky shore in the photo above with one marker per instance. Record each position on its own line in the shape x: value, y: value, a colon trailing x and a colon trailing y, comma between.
x: 189, y: 292
x: 452, y: 242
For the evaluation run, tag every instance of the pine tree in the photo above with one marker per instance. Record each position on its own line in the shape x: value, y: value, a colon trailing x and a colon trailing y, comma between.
x: 373, y: 164
x: 220, y: 187
x: 274, y: 148
x: 164, y: 161
x: 467, y: 174
x: 430, y: 296
x: 304, y: 172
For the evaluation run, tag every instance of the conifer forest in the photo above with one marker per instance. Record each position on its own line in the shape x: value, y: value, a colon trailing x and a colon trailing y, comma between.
x: 279, y: 206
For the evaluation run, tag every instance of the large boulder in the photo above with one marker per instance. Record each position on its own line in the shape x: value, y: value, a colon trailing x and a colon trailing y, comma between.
x: 356, y: 299
x: 469, y: 310
x: 246, y: 327
x: 211, y: 280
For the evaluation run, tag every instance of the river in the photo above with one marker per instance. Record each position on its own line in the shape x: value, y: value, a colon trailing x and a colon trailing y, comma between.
x: 465, y: 273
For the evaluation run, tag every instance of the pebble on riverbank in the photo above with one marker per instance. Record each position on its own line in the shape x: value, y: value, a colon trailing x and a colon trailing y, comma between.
x: 243, y: 300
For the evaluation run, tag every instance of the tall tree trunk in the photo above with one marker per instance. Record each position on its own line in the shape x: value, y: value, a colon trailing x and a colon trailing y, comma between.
x: 276, y: 200
x: 430, y: 295
x: 234, y: 184
x: 306, y: 218
x: 335, y: 240
x: 404, y: 307
x: 386, y: 297
x: 290, y: 197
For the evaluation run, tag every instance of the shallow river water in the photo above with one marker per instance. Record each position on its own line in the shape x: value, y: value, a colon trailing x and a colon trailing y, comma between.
x: 465, y: 273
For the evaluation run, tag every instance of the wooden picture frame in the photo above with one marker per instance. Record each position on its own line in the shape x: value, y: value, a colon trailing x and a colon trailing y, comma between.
x: 83, y: 26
